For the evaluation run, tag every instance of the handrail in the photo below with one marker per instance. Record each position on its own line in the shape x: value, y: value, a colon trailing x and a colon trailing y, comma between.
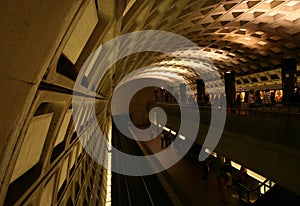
x: 257, y: 189
x: 295, y: 111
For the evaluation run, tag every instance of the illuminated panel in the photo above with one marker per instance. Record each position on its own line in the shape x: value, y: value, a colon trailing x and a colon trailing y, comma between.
x: 81, y: 33
x: 166, y: 128
x: 208, y: 151
x: 182, y: 137
x: 256, y: 176
x: 235, y: 165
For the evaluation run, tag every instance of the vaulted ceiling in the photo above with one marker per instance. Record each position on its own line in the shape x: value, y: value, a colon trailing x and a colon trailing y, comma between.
x: 247, y: 37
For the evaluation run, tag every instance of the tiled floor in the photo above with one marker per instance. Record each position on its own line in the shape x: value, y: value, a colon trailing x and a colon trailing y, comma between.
x: 185, y: 178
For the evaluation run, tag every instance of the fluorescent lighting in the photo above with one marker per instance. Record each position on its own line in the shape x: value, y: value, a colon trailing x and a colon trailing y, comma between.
x: 256, y: 176
x: 166, y: 128
x: 235, y: 165
x: 182, y: 137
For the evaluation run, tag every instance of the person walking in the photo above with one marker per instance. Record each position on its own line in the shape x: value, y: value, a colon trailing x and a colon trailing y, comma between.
x: 258, y: 100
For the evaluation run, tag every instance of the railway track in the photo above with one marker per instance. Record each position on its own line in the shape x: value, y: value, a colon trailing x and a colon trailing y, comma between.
x: 135, y: 190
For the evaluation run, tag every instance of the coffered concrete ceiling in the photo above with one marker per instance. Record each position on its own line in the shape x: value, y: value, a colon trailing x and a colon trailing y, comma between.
x: 247, y: 37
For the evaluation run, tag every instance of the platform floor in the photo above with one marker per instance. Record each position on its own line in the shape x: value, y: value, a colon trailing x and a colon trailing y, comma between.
x: 184, y: 181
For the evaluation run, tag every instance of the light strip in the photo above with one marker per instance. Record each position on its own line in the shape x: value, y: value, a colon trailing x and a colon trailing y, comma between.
x: 208, y: 151
x: 256, y: 176
x: 236, y: 165
x: 181, y: 137
x: 166, y: 128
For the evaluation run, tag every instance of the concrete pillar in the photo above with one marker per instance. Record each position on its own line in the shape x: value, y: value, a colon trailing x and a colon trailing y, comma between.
x: 230, y: 89
x: 289, y: 79
x: 200, y: 90
x: 182, y: 91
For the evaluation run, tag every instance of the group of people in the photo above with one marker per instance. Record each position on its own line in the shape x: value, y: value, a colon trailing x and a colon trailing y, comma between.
x: 255, y: 100
x: 229, y: 179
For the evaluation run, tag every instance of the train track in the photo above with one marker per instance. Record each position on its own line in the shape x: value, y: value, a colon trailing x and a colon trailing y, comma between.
x: 135, y: 190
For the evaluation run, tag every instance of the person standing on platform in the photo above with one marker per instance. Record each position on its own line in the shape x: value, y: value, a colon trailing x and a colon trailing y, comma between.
x: 267, y: 98
x: 162, y: 140
x: 205, y: 174
x: 167, y: 140
x: 238, y: 103
x: 223, y: 187
x: 242, y: 175
x: 252, y: 99
x: 258, y: 100
x: 272, y: 98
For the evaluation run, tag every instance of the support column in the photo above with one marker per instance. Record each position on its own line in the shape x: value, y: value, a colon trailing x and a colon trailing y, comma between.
x: 200, y: 90
x: 182, y: 91
x: 230, y: 89
x: 289, y: 79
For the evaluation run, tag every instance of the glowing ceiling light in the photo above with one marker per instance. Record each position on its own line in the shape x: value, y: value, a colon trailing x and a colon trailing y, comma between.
x: 292, y: 3
x: 269, y: 1
x: 262, y: 43
x: 247, y: 38
x: 259, y: 32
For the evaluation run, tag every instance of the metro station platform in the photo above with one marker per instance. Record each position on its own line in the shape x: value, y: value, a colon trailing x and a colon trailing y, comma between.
x: 184, y: 184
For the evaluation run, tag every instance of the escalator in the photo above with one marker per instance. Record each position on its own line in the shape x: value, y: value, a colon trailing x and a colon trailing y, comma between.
x: 277, y: 195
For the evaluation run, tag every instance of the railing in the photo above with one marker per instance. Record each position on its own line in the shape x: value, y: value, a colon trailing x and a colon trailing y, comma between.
x: 251, y: 195
x: 278, y: 110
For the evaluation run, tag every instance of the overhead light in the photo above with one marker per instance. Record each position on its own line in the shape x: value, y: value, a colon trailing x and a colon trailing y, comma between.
x: 247, y: 38
x: 181, y: 137
x: 172, y: 132
x: 262, y: 43
x: 269, y: 1
x: 228, y: 72
x: 166, y: 129
x: 292, y: 3
x: 259, y: 32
